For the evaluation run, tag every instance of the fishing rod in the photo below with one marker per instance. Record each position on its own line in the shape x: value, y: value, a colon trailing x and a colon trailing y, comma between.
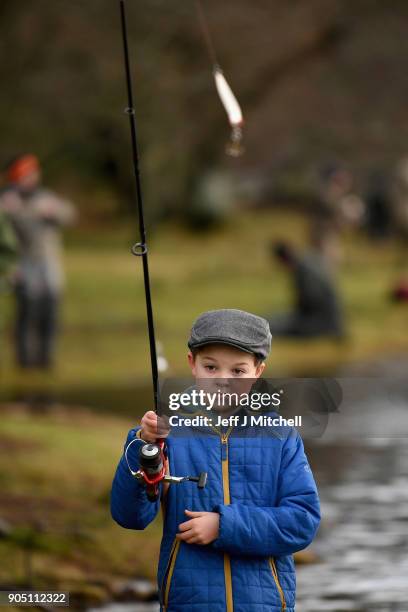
x: 152, y: 457
x: 140, y: 248
x: 234, y: 148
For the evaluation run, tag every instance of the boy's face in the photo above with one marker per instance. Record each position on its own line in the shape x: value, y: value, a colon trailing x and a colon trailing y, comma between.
x: 219, y: 367
x: 223, y: 361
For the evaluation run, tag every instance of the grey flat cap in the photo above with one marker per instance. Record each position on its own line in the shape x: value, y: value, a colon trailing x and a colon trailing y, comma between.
x: 237, y: 328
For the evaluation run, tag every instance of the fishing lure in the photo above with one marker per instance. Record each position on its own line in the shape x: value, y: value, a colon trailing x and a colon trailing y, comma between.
x: 230, y: 103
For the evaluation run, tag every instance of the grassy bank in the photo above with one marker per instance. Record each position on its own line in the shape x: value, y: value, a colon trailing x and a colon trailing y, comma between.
x: 104, y: 339
x: 54, y: 495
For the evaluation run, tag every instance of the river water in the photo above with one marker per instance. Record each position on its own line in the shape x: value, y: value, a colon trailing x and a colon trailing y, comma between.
x: 363, y: 540
x: 361, y: 466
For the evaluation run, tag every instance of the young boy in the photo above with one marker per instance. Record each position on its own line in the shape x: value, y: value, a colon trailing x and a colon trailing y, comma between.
x: 227, y: 547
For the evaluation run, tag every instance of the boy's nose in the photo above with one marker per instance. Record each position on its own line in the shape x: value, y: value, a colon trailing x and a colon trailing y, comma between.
x: 223, y: 382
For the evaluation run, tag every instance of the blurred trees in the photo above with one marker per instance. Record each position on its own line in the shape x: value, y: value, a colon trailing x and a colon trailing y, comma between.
x: 315, y: 79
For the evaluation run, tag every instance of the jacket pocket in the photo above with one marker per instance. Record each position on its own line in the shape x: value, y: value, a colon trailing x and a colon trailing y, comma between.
x: 168, y: 574
x: 274, y: 571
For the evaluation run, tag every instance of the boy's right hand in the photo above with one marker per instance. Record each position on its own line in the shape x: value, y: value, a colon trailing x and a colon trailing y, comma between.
x: 153, y: 427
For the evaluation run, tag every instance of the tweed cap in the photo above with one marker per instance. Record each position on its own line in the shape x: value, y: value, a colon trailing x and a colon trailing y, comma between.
x: 236, y: 328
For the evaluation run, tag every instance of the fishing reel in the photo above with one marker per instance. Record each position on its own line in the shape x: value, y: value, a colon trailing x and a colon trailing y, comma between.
x: 152, y: 459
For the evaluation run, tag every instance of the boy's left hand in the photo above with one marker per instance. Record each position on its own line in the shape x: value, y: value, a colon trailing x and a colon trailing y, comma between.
x: 202, y: 528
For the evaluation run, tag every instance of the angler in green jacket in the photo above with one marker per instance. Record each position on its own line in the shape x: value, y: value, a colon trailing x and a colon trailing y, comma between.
x: 8, y: 248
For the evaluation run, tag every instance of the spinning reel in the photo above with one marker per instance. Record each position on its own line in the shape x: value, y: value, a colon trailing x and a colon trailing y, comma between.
x: 152, y: 459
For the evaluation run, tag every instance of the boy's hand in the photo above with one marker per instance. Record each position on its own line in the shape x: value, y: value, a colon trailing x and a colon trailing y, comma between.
x: 202, y: 528
x: 153, y: 427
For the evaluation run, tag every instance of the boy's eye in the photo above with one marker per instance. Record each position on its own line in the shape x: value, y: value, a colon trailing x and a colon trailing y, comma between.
x: 210, y: 368
x: 238, y: 371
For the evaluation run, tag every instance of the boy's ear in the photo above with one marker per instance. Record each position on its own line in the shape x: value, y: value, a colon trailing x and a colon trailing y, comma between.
x: 259, y: 369
x: 191, y: 362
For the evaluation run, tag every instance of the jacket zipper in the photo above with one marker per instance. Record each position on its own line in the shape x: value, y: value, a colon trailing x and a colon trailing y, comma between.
x: 278, y: 585
x: 165, y: 586
x: 227, y: 501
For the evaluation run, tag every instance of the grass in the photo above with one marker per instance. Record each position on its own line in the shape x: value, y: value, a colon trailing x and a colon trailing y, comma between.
x: 55, y: 484
x: 104, y: 339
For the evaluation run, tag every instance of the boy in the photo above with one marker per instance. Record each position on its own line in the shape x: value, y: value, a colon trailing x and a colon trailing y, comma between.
x: 227, y: 547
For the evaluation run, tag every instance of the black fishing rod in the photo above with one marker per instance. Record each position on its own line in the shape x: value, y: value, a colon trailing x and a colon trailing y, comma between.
x: 140, y: 248
x: 234, y: 148
x: 152, y: 457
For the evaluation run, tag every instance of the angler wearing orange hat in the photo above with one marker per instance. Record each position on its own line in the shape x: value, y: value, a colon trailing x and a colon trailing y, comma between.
x: 37, y: 215
x: 25, y: 172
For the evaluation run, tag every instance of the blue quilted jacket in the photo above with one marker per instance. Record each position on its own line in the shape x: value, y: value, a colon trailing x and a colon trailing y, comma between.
x: 264, y: 491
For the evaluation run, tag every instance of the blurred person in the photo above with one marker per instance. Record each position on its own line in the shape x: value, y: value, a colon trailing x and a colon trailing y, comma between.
x: 324, y: 240
x: 338, y: 202
x: 400, y: 198
x: 378, y: 219
x: 317, y: 310
x: 336, y: 208
x: 8, y: 255
x: 8, y: 248
x: 37, y: 216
